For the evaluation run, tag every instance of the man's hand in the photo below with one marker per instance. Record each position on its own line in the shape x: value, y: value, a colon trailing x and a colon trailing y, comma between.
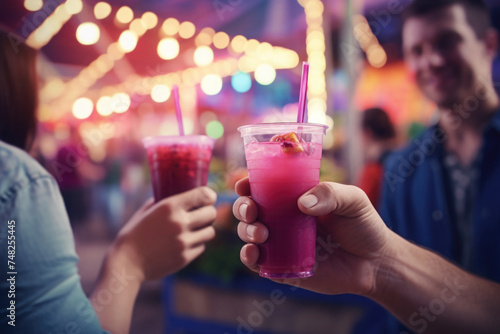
x: 351, y: 237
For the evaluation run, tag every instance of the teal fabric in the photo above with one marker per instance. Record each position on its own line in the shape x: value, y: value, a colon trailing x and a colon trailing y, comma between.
x: 48, y: 294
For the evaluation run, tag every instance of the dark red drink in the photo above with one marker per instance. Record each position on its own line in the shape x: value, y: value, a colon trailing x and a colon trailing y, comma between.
x: 178, y: 163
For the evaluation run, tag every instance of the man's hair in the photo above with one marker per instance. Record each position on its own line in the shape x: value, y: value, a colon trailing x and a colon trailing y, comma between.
x: 378, y: 123
x: 476, y: 11
x: 18, y: 91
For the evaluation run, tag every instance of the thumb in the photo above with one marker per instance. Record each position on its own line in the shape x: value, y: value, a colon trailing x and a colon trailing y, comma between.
x: 335, y: 198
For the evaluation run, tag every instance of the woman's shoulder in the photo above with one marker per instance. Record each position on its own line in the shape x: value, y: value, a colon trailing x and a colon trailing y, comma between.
x: 17, y: 169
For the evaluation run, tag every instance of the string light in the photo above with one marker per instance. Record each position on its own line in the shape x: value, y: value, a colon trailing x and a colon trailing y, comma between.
x: 127, y: 41
x: 124, y: 15
x: 87, y: 33
x: 211, y: 84
x: 33, y: 5
x: 265, y: 74
x: 315, y: 48
x: 102, y: 10
x: 170, y: 26
x: 221, y: 40
x: 150, y: 19
x: 203, y: 56
x: 187, y: 29
x: 82, y: 108
x: 168, y: 48
x: 160, y: 93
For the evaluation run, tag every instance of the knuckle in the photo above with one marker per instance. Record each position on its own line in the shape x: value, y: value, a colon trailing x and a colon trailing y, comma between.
x: 208, y: 194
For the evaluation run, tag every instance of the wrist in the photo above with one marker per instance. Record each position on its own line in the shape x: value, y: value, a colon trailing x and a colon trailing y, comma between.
x: 385, y: 269
x: 122, y: 259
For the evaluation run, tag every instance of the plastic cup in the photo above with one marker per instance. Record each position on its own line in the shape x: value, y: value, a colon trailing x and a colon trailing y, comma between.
x: 178, y: 163
x: 279, y: 173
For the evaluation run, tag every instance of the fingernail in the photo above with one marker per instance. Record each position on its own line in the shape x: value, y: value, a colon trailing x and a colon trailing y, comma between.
x: 243, y: 211
x: 251, y: 231
x: 308, y: 200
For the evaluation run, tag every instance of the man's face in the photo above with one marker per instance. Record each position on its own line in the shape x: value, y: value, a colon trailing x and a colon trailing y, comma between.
x: 447, y: 58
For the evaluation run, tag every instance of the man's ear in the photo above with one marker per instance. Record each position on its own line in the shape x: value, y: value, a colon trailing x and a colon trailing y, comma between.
x: 491, y: 40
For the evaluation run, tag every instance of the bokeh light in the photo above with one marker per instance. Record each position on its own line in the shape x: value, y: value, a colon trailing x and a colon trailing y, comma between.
x: 168, y: 48
x: 121, y: 102
x: 88, y: 33
x: 214, y: 129
x: 124, y: 15
x: 104, y: 106
x: 82, y: 108
x: 211, y: 84
x: 102, y: 10
x: 33, y: 5
x: 138, y: 26
x: 203, y: 56
x: 221, y: 40
x: 160, y: 93
x: 170, y: 26
x: 187, y: 29
x: 376, y: 56
x: 265, y: 74
x: 241, y: 82
x: 128, y: 41
x: 73, y: 6
x: 238, y: 43
x: 150, y: 19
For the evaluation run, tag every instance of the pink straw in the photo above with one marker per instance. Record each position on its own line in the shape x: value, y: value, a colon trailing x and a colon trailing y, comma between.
x: 303, y: 92
x: 175, y: 89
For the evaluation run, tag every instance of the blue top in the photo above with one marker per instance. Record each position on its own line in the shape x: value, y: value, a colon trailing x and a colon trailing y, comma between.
x: 47, y: 292
x: 416, y: 201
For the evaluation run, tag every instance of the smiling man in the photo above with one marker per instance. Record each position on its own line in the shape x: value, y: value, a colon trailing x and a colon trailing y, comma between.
x: 441, y: 191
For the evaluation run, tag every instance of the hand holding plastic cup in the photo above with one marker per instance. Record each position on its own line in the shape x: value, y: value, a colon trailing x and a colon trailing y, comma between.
x: 178, y: 163
x: 283, y: 162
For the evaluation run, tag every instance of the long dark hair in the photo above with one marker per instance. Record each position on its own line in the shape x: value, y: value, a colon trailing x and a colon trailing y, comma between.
x: 18, y: 91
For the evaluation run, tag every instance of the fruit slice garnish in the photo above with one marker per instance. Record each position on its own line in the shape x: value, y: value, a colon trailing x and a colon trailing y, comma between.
x: 290, y: 143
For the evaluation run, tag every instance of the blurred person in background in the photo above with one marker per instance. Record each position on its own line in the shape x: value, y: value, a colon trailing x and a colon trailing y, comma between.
x: 158, y: 240
x: 74, y: 172
x: 378, y: 142
x: 441, y: 191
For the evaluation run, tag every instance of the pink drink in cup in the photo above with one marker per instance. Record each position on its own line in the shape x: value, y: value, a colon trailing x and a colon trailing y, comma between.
x: 178, y: 163
x: 283, y: 162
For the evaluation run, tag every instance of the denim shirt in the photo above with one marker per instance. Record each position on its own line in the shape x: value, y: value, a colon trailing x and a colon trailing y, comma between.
x: 417, y: 204
x: 46, y: 289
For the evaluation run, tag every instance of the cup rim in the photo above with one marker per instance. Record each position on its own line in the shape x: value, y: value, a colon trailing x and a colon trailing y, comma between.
x: 264, y: 128
x: 178, y: 139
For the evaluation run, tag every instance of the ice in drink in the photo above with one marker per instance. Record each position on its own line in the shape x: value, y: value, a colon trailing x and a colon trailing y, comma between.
x: 178, y: 163
x: 283, y: 161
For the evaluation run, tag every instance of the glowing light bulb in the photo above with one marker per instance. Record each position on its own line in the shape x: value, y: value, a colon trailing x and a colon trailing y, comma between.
x: 150, y: 19
x: 168, y: 48
x: 203, y: 56
x: 221, y: 40
x: 160, y: 93
x: 102, y: 10
x: 82, y: 108
x: 104, y: 106
x: 211, y: 84
x: 170, y: 26
x: 33, y: 5
x: 265, y: 74
x: 187, y: 29
x: 87, y: 33
x: 127, y: 41
x: 121, y: 102
x: 124, y: 15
